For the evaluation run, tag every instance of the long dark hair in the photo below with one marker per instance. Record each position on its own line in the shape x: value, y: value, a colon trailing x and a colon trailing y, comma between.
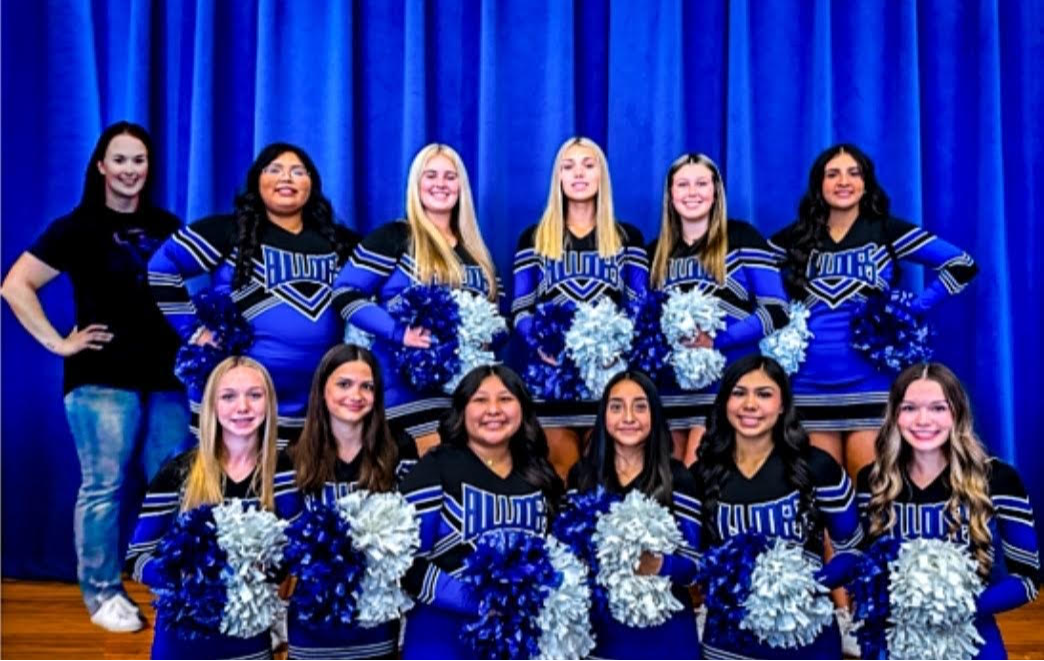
x: 93, y: 196
x: 315, y: 452
x: 598, y: 465
x: 715, y: 454
x: 529, y: 452
x: 251, y: 214
x: 810, y: 231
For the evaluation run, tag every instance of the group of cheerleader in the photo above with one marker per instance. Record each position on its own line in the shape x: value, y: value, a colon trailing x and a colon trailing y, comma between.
x: 286, y: 279
x: 756, y: 474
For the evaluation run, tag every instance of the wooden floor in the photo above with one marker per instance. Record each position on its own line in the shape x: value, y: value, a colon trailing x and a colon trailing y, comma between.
x: 48, y: 621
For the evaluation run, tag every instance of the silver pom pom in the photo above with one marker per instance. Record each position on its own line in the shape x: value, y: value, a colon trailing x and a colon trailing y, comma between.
x: 636, y: 524
x: 253, y: 540
x: 564, y: 619
x: 686, y: 315
x: 786, y: 607
x: 480, y: 322
x: 386, y: 529
x: 787, y: 345
x: 598, y: 341
x: 933, y: 586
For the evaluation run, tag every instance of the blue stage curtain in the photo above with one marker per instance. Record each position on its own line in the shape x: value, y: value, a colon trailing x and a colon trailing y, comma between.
x: 944, y: 94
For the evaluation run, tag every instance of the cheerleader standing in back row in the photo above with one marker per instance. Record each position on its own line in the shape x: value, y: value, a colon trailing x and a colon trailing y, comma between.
x: 438, y: 243
x: 844, y: 248
x: 700, y: 247
x: 929, y: 467
x: 577, y: 253
x: 757, y: 473
x: 630, y: 449
x: 236, y: 458
x: 346, y: 445
x: 490, y: 473
x: 276, y: 257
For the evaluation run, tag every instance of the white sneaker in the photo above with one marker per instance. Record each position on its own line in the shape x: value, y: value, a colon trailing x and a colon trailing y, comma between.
x: 849, y: 642
x: 118, y: 615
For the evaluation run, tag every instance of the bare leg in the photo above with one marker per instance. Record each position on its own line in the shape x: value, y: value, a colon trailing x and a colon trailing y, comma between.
x: 679, y: 441
x: 425, y: 443
x: 564, y: 446
x: 859, y: 450
x: 829, y: 442
x: 693, y: 444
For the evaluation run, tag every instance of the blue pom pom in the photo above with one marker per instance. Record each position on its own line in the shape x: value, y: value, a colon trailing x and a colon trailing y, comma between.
x: 575, y: 527
x: 650, y: 352
x: 890, y: 332
x: 870, y: 594
x: 329, y: 571
x: 431, y: 307
x: 511, y: 571
x: 191, y: 593
x: 726, y: 579
x: 551, y: 321
x: 218, y: 312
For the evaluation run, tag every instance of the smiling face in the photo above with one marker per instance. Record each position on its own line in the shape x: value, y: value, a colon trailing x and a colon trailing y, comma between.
x: 241, y: 402
x: 493, y: 414
x: 439, y: 185
x: 580, y: 173
x: 349, y: 392
x: 692, y: 191
x: 125, y: 168
x: 285, y: 185
x: 843, y: 185
x: 754, y: 406
x: 628, y: 415
x: 925, y: 418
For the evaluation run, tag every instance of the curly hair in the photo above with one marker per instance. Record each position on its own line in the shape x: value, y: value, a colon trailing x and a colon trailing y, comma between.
x: 810, y: 231
x: 250, y: 213
x: 967, y: 460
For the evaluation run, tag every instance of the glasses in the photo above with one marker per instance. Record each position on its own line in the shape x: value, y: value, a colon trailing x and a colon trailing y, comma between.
x: 276, y: 170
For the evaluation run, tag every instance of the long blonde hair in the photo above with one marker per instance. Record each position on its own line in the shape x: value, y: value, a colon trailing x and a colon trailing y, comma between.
x: 550, y: 233
x: 712, y: 254
x: 205, y: 481
x: 968, y: 462
x: 433, y: 256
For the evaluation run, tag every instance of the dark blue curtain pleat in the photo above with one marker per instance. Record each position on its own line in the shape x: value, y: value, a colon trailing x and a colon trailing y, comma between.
x: 945, y: 95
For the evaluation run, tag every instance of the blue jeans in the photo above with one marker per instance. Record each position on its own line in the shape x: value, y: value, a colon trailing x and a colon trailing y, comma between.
x: 107, y: 425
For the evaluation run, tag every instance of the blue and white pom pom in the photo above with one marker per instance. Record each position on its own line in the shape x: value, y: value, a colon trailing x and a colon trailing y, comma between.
x: 598, y: 342
x: 637, y: 524
x: 385, y: 529
x: 575, y: 527
x: 233, y: 334
x: 564, y: 619
x: 253, y: 540
x: 890, y: 331
x: 786, y: 607
x: 561, y: 382
x: 533, y: 599
x: 869, y: 591
x: 686, y: 315
x: 320, y: 555
x: 480, y: 325
x: 788, y: 344
x: 933, y: 587
x: 434, y: 308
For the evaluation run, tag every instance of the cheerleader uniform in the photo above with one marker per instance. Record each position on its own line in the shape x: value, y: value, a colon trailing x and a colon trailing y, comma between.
x: 286, y: 301
x: 341, y: 641
x: 1013, y: 580
x: 837, y: 388
x: 457, y: 500
x: 161, y: 507
x: 752, y: 297
x: 379, y: 270
x: 580, y: 276
x: 677, y: 638
x: 766, y: 504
